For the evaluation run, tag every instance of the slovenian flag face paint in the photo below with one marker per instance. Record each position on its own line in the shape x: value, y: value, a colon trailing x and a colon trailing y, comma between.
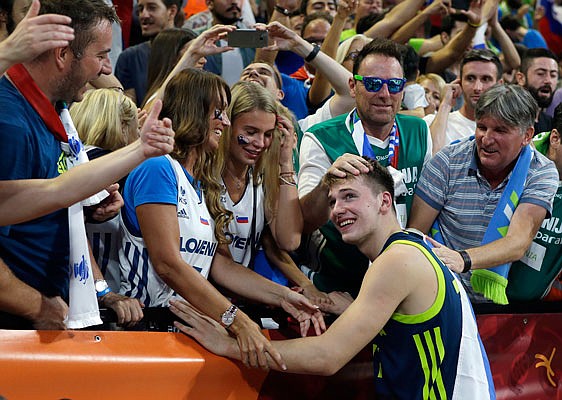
x: 203, y: 221
x: 243, y: 140
x: 241, y: 220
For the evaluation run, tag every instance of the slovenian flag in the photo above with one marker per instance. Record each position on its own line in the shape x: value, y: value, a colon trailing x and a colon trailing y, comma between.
x: 203, y: 221
x: 241, y: 220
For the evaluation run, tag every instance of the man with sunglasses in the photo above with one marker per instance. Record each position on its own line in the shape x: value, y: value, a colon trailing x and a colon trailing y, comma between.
x: 372, y: 129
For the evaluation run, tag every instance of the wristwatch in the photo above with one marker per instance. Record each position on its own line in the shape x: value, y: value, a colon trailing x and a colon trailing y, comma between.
x: 227, y: 318
x: 102, y: 288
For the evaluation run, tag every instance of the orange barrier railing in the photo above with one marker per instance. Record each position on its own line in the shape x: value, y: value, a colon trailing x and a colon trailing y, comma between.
x: 118, y: 365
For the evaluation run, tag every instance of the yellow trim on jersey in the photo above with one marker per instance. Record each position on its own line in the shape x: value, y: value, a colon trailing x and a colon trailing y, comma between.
x: 456, y: 285
x: 439, y: 300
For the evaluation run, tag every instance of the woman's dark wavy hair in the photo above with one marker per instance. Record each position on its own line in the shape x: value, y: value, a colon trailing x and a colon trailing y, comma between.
x: 190, y: 99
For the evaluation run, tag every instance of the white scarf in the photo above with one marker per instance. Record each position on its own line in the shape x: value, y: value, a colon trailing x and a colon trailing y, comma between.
x: 83, y: 304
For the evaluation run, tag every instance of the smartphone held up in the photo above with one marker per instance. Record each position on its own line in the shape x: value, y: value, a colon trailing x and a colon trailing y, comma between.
x: 247, y: 38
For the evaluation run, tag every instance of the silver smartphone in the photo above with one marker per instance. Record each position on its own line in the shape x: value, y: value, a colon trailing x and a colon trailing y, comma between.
x: 247, y: 38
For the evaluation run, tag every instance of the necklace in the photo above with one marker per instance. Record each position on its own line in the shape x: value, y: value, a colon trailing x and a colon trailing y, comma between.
x: 237, y: 181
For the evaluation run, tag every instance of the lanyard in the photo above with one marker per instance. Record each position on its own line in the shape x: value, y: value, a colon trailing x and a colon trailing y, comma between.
x: 23, y: 81
x: 393, y: 141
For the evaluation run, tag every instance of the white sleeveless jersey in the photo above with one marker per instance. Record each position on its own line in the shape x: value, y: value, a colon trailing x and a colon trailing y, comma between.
x: 197, y: 247
x: 240, y: 227
x: 105, y: 239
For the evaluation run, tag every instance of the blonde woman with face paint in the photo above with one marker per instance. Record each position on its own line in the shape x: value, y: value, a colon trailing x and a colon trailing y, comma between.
x: 255, y: 163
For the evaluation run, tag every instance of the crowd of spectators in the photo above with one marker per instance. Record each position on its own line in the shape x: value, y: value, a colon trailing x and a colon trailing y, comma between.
x: 460, y: 107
